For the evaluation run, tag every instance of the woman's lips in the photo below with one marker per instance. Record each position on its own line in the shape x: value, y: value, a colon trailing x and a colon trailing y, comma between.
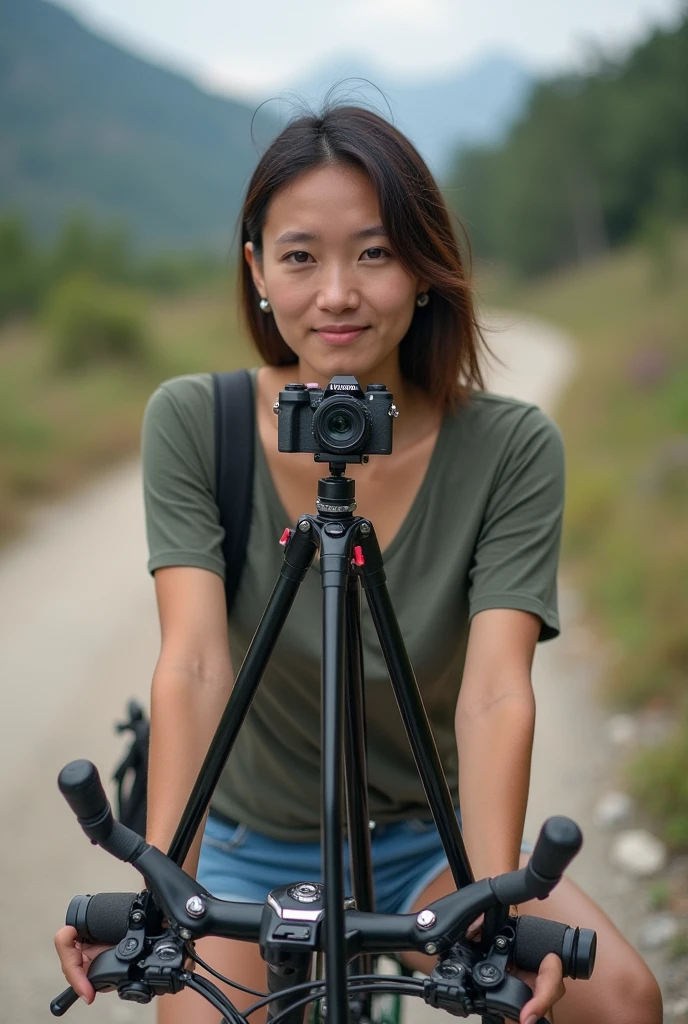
x: 340, y: 337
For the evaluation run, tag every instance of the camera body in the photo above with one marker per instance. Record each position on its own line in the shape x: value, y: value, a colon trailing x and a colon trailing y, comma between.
x: 338, y: 424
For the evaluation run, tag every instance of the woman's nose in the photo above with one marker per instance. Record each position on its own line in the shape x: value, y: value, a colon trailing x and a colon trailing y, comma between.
x: 336, y: 291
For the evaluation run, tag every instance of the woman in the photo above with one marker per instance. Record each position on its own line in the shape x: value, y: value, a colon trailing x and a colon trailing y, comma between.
x: 351, y: 266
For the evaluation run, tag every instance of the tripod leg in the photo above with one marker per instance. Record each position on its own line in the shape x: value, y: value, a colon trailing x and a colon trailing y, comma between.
x: 355, y: 772
x: 297, y: 558
x: 412, y: 709
x: 333, y: 663
x: 355, y: 756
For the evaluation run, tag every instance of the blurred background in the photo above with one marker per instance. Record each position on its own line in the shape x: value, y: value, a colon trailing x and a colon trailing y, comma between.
x: 559, y: 135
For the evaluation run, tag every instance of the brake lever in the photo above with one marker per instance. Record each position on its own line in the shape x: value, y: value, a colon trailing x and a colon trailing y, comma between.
x: 507, y: 999
x: 464, y: 983
x: 156, y: 973
x: 450, y: 986
x: 105, y: 974
x: 63, y: 1002
x: 139, y: 967
x: 502, y: 994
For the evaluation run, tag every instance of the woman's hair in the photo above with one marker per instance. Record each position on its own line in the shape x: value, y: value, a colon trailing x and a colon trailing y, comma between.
x: 440, y: 350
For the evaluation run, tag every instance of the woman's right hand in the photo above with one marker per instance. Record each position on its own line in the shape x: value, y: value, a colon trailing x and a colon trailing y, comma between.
x: 75, y: 959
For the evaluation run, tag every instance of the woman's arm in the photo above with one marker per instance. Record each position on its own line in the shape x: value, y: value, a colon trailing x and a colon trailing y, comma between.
x: 495, y: 720
x: 191, y: 685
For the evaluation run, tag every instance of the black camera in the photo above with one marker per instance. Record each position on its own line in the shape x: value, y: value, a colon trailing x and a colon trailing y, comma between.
x: 339, y: 424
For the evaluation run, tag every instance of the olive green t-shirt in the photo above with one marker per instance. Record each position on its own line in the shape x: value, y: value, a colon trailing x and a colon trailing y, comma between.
x: 483, y: 532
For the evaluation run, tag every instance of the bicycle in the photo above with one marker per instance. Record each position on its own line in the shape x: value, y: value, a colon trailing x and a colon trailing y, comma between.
x: 152, y: 932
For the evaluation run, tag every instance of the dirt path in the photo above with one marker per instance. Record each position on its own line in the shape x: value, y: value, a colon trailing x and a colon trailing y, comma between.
x: 78, y: 637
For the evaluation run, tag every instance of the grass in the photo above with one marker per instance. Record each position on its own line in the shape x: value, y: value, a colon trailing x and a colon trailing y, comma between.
x: 56, y: 429
x: 625, y: 423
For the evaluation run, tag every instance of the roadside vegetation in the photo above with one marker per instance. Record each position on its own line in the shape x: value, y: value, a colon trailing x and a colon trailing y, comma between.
x: 583, y: 203
x: 625, y: 422
x: 87, y: 331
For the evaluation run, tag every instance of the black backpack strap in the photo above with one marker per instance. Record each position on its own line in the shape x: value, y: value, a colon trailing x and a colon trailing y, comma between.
x: 234, y: 452
x: 234, y: 455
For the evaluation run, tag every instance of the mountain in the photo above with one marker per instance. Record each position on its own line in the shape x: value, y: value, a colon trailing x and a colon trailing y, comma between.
x: 471, y: 107
x: 85, y: 124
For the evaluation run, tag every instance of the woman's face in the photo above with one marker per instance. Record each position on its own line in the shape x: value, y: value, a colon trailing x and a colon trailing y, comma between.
x: 339, y: 272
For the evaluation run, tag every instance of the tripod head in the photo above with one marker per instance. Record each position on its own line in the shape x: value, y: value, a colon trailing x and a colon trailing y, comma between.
x: 336, y: 493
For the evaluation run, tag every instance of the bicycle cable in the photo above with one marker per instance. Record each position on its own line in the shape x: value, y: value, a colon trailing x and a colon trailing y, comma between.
x: 400, y: 988
x: 320, y: 983
x: 231, y: 1015
x: 193, y: 955
x: 215, y: 997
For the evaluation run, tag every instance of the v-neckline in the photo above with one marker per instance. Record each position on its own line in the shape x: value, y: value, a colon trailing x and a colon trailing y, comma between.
x: 263, y: 467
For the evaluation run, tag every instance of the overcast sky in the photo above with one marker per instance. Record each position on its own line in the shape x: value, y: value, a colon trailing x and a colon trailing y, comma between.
x: 248, y: 47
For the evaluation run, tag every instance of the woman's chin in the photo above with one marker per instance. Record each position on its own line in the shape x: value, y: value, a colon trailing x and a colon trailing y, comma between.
x: 341, y: 360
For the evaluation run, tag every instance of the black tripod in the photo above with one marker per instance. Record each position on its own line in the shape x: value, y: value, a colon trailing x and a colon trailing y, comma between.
x: 349, y: 555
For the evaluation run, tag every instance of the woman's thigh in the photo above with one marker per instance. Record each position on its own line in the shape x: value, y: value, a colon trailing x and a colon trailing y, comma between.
x: 622, y: 989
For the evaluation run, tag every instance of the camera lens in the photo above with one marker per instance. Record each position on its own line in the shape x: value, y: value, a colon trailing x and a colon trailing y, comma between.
x: 339, y: 424
x: 342, y: 425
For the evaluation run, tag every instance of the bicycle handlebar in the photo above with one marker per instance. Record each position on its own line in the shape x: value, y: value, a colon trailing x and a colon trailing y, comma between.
x: 104, y: 917
x: 192, y: 912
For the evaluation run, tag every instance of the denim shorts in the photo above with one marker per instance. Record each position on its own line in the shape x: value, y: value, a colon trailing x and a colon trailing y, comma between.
x: 239, y: 864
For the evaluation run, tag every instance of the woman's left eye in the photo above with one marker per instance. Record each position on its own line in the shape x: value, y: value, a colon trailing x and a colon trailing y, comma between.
x: 377, y: 249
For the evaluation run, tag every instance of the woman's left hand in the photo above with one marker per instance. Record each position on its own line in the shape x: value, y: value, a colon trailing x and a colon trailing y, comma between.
x: 547, y: 987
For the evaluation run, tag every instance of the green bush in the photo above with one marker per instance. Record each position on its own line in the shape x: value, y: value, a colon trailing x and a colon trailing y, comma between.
x: 85, y: 247
x: 659, y: 779
x: 93, y: 323
x: 20, y: 269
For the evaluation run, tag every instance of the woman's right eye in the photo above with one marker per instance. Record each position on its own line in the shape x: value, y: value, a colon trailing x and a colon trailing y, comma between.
x: 299, y: 253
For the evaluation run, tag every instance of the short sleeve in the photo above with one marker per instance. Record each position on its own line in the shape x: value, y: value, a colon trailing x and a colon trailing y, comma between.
x: 517, y: 550
x: 177, y: 454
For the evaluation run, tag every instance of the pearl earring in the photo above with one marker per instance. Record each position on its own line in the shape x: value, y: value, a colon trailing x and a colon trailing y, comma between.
x: 422, y: 299
x: 265, y: 306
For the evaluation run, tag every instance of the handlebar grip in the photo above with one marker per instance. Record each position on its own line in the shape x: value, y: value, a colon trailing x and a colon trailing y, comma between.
x: 101, y: 918
x: 537, y: 936
x: 63, y: 1002
x: 79, y: 783
x: 559, y: 841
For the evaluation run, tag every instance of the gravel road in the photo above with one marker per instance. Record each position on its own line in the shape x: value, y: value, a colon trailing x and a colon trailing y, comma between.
x: 78, y: 637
